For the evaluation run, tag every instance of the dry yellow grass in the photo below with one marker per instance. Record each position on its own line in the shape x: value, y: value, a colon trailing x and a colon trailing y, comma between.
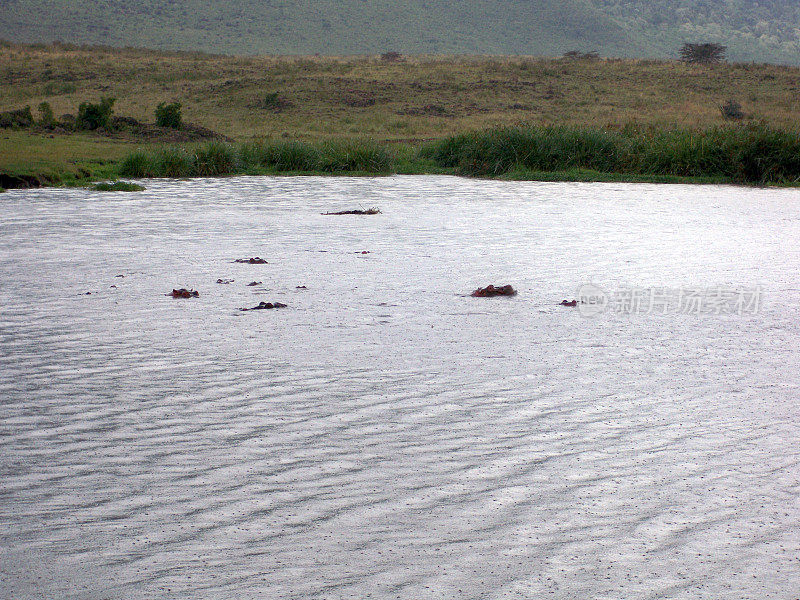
x: 419, y: 98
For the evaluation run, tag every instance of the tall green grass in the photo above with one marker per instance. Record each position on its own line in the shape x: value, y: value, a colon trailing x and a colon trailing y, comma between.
x: 217, y: 159
x: 744, y: 154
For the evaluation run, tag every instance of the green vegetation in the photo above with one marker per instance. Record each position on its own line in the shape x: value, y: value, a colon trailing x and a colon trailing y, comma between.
x: 46, y: 117
x: 16, y: 118
x: 217, y: 159
x: 753, y: 155
x: 94, y: 116
x: 32, y: 159
x: 749, y: 155
x: 169, y: 115
x: 764, y: 31
x: 117, y: 186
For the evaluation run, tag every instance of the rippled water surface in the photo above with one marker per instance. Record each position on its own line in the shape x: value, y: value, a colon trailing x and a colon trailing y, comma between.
x: 386, y: 435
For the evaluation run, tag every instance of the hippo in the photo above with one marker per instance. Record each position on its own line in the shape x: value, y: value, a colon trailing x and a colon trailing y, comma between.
x: 490, y: 290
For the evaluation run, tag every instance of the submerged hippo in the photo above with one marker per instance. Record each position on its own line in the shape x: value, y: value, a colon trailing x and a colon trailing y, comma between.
x: 490, y: 290
x: 184, y: 293
x: 256, y: 260
x: 265, y: 306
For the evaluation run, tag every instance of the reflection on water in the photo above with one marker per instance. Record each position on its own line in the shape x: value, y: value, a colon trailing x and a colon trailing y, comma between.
x: 386, y: 435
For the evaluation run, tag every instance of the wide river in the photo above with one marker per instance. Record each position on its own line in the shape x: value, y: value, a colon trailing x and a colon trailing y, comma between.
x: 386, y: 435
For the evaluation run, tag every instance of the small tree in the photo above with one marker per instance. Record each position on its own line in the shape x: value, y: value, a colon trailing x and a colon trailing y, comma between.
x: 169, y: 115
x: 95, y: 116
x: 703, y: 53
x: 46, y: 117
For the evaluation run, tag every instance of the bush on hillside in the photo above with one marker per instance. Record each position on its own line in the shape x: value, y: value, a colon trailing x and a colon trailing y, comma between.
x: 46, y: 117
x: 21, y: 117
x: 94, y: 116
x: 169, y: 115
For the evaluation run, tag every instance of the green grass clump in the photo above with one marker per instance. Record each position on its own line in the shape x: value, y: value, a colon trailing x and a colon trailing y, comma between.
x: 209, y: 160
x: 117, y: 186
x: 172, y: 161
x: 355, y: 156
x: 496, y: 152
x: 216, y: 159
x: 140, y: 163
x: 753, y: 154
x: 281, y: 156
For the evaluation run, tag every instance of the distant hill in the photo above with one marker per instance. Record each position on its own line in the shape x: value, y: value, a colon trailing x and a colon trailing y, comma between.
x: 764, y: 31
x: 760, y: 31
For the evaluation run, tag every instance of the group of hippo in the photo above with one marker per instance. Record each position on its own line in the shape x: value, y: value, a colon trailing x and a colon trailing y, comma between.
x: 256, y: 260
x: 507, y: 290
x: 485, y: 292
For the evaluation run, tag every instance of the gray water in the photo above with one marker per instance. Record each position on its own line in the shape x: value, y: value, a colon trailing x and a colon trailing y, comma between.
x: 386, y: 435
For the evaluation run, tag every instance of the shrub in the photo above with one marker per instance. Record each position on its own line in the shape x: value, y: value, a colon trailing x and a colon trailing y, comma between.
x: 169, y: 115
x: 46, y: 117
x: 21, y: 117
x: 94, y: 116
x: 703, y: 53
x: 732, y: 111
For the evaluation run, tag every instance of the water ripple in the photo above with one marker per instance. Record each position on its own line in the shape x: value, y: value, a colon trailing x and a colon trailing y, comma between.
x: 386, y: 435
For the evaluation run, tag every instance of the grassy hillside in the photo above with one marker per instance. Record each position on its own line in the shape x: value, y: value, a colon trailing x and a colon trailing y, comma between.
x: 764, y: 31
x: 330, y: 27
x: 419, y: 97
x: 320, y: 98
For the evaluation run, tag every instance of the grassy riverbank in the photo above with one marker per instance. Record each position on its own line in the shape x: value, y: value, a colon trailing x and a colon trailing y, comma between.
x: 745, y: 155
x: 754, y: 154
x: 300, y: 114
